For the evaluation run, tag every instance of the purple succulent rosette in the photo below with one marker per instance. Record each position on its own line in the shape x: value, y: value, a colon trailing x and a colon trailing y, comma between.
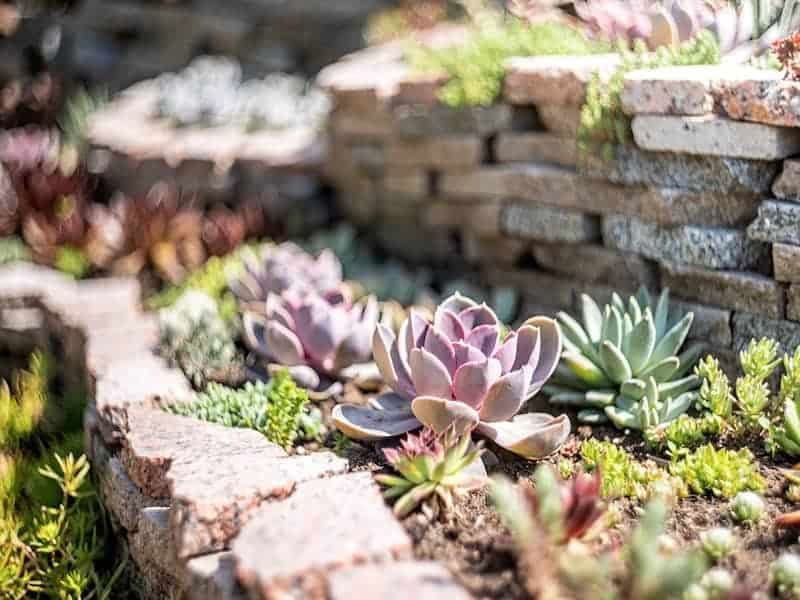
x: 458, y: 371
x: 276, y: 269
x: 296, y: 329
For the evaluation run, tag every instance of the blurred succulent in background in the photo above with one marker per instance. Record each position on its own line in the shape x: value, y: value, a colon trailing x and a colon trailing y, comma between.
x: 224, y: 229
x: 747, y: 508
x: 623, y: 363
x: 784, y: 576
x: 669, y: 22
x: 433, y: 468
x: 276, y: 269
x: 13, y: 249
x: 30, y: 101
x: 295, y: 329
x: 718, y: 543
x: 194, y: 337
x: 210, y: 92
x: 457, y: 371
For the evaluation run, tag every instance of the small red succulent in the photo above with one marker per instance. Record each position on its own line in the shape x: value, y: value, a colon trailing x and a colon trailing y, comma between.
x: 787, y: 51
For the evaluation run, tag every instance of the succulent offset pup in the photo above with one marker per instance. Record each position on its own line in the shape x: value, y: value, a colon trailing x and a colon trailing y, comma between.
x: 275, y: 269
x: 457, y: 371
x: 299, y: 329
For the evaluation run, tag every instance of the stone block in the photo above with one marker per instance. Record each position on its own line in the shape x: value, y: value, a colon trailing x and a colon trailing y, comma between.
x: 442, y: 153
x: 420, y: 88
x: 548, y: 224
x: 151, y: 541
x: 214, y: 496
x: 748, y: 326
x: 787, y: 185
x: 140, y: 381
x: 669, y: 91
x: 376, y: 126
x: 562, y: 119
x: 676, y: 206
x: 422, y: 120
x: 410, y: 182
x: 495, y: 181
x: 211, y: 577
x: 593, y: 263
x: 480, y: 218
x: 712, y: 248
x: 554, y: 79
x: 786, y: 262
x: 776, y: 222
x: 425, y: 580
x: 120, y: 495
x: 537, y: 147
x: 711, y: 325
x: 715, y: 136
x: 793, y: 303
x: 349, y: 510
x: 492, y: 250
x: 734, y: 290
x: 766, y: 97
x: 538, y: 287
x: 631, y: 165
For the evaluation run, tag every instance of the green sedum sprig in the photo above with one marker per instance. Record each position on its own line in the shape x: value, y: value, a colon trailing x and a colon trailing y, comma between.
x: 723, y: 473
x: 277, y: 409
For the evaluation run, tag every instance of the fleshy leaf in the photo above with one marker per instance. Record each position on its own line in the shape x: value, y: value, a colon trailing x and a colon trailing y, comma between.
x: 506, y: 396
x: 531, y: 435
x: 439, y: 414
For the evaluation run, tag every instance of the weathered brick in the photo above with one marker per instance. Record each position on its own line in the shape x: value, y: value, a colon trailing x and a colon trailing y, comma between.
x: 793, y: 303
x: 548, y: 224
x: 211, y: 577
x: 349, y: 509
x: 141, y: 381
x: 727, y: 289
x: 777, y: 222
x: 423, y: 120
x: 713, y: 248
x: 562, y: 119
x: 787, y: 185
x: 481, y: 217
x: 595, y: 264
x: 715, y: 136
x: 669, y: 91
x: 445, y: 152
x: 536, y: 146
x: 424, y: 580
x: 376, y: 126
x: 213, y: 496
x: 631, y: 165
x: 553, y: 79
x: 490, y: 182
x: 492, y: 250
x: 420, y: 88
x: 748, y: 326
x: 786, y: 262
x: 157, y: 441
x: 411, y: 182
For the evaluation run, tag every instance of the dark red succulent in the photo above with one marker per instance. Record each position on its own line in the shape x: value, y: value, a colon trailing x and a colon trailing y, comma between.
x: 581, y: 504
x: 787, y: 51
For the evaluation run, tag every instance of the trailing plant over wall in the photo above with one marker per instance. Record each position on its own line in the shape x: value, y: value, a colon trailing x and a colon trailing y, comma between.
x: 278, y: 409
x: 603, y: 124
x: 477, y: 66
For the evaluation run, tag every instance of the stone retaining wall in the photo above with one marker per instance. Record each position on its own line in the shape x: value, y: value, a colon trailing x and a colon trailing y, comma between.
x: 211, y: 512
x: 704, y: 202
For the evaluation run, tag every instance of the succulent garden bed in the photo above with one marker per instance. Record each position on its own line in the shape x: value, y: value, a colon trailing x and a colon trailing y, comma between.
x: 552, y: 352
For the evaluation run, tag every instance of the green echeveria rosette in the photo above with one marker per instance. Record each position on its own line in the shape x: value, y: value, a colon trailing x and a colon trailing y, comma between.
x: 622, y: 363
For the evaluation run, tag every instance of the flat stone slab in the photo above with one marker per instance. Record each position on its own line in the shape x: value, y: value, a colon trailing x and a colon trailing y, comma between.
x: 282, y: 553
x: 492, y: 181
x: 669, y: 91
x: 631, y: 165
x: 709, y: 247
x: 715, y: 136
x: 422, y: 580
x: 793, y: 303
x: 548, y: 224
x: 536, y: 146
x: 766, y: 99
x: 151, y: 541
x: 563, y: 119
x: 734, y: 290
x: 786, y: 262
x: 553, y: 79
x: 425, y: 120
x: 157, y: 441
x: 787, y: 185
x: 593, y: 263
x: 214, y: 495
x: 777, y: 222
